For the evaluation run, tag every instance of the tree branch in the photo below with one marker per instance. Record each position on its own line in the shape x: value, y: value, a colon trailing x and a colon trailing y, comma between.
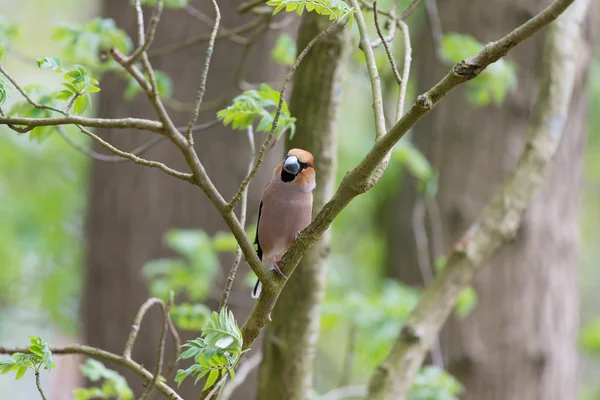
x: 243, y: 211
x: 386, y: 45
x: 106, y: 356
x: 145, y: 42
x: 500, y: 219
x: 116, y: 123
x: 39, y: 385
x: 353, y: 183
x: 204, y: 75
x: 373, y: 71
x: 240, y: 375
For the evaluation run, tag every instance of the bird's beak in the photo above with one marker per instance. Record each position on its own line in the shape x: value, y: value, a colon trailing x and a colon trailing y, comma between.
x: 291, y: 165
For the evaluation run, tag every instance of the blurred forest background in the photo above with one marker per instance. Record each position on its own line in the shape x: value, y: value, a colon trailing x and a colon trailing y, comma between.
x: 45, y: 189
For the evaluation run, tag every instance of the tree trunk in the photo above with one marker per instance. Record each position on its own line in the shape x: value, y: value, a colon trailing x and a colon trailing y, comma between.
x: 520, y: 341
x: 131, y: 206
x: 290, y: 340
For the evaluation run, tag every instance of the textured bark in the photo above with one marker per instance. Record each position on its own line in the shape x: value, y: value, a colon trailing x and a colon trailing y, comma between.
x: 290, y: 342
x: 131, y: 206
x: 520, y: 340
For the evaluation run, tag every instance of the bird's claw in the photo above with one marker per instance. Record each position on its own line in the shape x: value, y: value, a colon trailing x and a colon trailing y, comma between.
x: 276, y: 267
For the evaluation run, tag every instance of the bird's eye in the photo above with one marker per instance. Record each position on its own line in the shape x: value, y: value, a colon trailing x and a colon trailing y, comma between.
x: 303, y: 165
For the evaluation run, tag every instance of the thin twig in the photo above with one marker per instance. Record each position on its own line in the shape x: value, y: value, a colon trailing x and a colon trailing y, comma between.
x: 434, y: 21
x: 161, y: 349
x: 261, y: 155
x: 26, y: 96
x: 204, y: 75
x: 386, y: 45
x: 185, y: 176
x: 409, y: 9
x: 373, y: 71
x: 230, y: 34
x: 39, y: 385
x: 405, y: 70
x: 145, y: 42
x: 136, y: 152
x: 425, y: 266
x: 105, y: 157
x: 137, y: 322
x: 106, y: 356
x: 243, y: 212
x: 217, y: 386
x: 241, y: 374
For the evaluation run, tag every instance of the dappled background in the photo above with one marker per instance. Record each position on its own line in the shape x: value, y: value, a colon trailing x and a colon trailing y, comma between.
x: 45, y: 184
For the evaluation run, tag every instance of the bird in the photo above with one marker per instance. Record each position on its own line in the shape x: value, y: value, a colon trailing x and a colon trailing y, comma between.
x: 285, y: 209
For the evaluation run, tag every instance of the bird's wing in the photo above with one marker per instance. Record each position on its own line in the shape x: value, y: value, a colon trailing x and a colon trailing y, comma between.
x: 259, y: 251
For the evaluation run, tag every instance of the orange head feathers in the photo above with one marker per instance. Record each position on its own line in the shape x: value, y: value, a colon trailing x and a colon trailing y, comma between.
x: 297, y: 169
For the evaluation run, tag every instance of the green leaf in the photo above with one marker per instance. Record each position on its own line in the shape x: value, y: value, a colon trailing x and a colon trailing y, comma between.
x: 52, y: 63
x: 20, y: 372
x: 284, y: 51
x: 467, y: 301
x: 8, y: 33
x: 80, y: 104
x: 333, y: 8
x: 253, y: 105
x: 212, y: 378
x: 589, y: 338
x: 4, y: 89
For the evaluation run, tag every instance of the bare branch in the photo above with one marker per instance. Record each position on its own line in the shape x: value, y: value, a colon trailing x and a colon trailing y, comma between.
x: 161, y: 349
x: 373, y: 72
x: 434, y: 21
x: 26, y: 96
x: 386, y: 45
x: 261, y: 155
x: 145, y: 42
x: 405, y: 71
x: 137, y: 322
x: 499, y: 221
x: 116, y: 123
x: 409, y: 9
x: 138, y: 160
x: 243, y: 211
x: 231, y: 35
x: 105, y: 356
x: 223, y: 32
x: 39, y: 385
x: 204, y: 75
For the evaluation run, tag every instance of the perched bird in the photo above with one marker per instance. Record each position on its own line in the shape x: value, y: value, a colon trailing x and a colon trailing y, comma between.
x: 285, y: 209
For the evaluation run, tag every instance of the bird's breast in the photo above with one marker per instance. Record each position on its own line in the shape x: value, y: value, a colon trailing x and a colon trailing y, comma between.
x: 284, y: 214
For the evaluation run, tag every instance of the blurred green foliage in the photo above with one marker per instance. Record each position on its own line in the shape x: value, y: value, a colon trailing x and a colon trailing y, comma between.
x: 284, y: 51
x: 113, y: 385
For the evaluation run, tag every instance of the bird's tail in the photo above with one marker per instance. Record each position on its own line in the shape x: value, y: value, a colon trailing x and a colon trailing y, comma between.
x: 256, y: 290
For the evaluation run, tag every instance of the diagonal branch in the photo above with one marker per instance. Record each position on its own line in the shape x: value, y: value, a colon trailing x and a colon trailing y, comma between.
x: 498, y: 222
x: 354, y: 182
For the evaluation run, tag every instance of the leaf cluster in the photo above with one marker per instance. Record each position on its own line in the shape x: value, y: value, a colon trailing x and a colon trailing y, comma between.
x: 258, y: 105
x: 334, y: 9
x: 40, y: 356
x: 216, y: 352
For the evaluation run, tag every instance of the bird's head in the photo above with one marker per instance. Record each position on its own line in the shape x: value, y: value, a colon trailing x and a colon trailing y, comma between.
x: 297, y: 168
